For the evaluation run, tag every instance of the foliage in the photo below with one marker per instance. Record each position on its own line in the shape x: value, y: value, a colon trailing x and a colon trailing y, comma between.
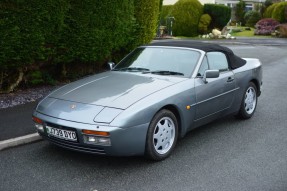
x: 165, y: 12
x: 251, y: 18
x: 187, y: 14
x: 265, y: 26
x: 268, y: 12
x: 69, y: 34
x: 26, y: 29
x: 282, y: 29
x: 240, y: 12
x: 204, y: 23
x: 220, y: 14
x: 146, y: 15
x: 279, y: 12
x: 268, y: 3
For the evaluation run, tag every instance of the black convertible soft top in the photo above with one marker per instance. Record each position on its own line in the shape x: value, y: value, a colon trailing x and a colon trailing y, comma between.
x: 234, y: 61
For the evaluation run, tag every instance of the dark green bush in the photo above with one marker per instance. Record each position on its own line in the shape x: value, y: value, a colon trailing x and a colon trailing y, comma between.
x: 251, y: 18
x: 26, y: 29
x: 220, y: 15
x: 204, y: 23
x: 187, y: 14
x: 69, y: 34
x: 35, y: 77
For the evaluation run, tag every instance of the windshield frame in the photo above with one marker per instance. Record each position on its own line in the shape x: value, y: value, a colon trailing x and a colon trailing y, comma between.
x: 197, y: 61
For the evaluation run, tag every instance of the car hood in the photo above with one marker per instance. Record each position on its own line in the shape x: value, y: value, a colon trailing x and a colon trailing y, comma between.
x: 114, y: 89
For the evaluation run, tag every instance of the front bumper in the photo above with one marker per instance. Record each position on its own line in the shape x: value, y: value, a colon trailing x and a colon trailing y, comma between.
x: 124, y: 141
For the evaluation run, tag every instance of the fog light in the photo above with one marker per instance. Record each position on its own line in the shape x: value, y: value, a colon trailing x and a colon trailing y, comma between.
x: 105, y: 141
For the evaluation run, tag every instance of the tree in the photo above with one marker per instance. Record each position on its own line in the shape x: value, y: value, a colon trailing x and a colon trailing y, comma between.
x: 240, y: 12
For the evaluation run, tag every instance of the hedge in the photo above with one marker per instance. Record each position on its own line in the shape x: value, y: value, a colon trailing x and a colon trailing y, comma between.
x: 187, y: 14
x: 69, y: 36
x: 146, y: 15
x: 220, y: 14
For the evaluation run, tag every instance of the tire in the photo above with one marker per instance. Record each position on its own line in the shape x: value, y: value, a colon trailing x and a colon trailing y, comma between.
x: 248, y: 103
x: 161, y: 136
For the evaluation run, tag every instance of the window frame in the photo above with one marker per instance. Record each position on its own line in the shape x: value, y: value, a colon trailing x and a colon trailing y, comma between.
x: 205, y: 56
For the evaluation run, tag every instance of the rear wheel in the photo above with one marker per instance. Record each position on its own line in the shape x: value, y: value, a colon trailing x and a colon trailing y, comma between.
x: 249, y: 102
x: 162, y: 135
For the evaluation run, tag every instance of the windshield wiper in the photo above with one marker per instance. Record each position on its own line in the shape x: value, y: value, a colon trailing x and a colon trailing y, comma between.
x: 164, y: 72
x: 132, y: 69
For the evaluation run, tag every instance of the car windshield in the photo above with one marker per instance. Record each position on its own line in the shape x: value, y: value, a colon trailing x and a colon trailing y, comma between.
x: 160, y: 61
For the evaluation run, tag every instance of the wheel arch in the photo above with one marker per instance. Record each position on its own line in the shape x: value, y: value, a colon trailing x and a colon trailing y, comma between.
x: 256, y: 83
x: 175, y: 111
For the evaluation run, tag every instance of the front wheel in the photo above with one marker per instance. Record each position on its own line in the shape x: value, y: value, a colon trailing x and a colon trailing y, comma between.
x: 249, y: 102
x: 162, y: 135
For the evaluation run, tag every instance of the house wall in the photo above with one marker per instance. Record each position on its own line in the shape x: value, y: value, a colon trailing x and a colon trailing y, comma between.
x: 171, y: 2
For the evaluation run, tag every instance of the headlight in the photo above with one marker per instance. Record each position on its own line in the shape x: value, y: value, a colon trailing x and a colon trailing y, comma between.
x: 96, y: 137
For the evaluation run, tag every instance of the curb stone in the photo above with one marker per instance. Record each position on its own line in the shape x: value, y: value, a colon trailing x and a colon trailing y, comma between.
x: 19, y: 141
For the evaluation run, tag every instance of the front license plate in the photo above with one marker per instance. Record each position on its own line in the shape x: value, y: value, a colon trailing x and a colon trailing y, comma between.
x: 61, y: 133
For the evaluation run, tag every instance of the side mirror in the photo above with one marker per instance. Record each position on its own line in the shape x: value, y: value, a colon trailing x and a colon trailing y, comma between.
x: 210, y: 74
x: 111, y: 65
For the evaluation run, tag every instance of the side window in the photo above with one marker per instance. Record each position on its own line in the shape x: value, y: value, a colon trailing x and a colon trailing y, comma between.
x: 217, y: 61
x: 203, y: 67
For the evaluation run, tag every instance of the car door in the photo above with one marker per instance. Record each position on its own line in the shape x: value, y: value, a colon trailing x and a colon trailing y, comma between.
x: 217, y: 94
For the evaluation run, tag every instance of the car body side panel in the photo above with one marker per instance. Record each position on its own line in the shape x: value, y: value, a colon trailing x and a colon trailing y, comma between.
x: 214, y: 96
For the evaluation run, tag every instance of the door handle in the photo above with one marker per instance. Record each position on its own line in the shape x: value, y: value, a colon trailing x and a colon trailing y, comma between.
x: 230, y: 79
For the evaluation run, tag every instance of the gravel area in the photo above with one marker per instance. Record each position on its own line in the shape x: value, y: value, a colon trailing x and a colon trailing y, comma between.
x: 24, y: 96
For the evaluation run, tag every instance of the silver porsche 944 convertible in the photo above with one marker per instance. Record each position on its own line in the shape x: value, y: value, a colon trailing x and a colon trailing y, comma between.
x: 150, y: 99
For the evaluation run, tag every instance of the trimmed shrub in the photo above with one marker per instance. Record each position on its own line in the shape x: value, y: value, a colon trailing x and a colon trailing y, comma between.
x: 268, y: 12
x: 265, y: 26
x: 146, y: 15
x: 69, y: 34
x: 282, y: 29
x: 251, y: 18
x: 220, y: 15
x: 27, y: 28
x: 279, y: 12
x: 204, y: 23
x: 187, y: 14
